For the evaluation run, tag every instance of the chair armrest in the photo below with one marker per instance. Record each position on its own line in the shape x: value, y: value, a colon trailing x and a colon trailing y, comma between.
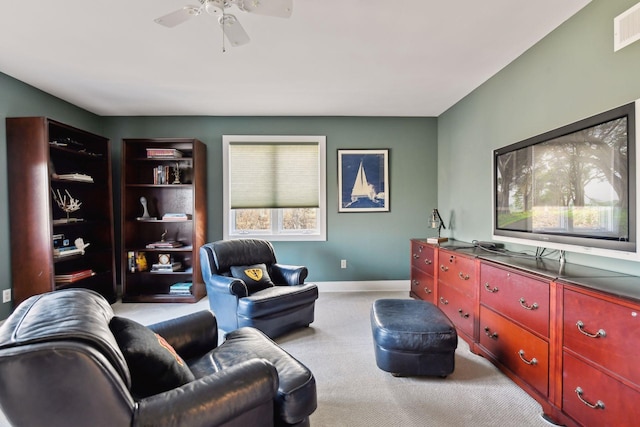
x: 282, y: 274
x: 212, y: 400
x: 227, y: 285
x: 191, y: 335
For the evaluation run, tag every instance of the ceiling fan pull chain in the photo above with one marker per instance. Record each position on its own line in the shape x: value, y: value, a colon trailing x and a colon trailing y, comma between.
x: 223, y: 46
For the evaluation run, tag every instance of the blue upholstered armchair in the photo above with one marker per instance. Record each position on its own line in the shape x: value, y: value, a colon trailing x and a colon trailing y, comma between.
x: 247, y: 287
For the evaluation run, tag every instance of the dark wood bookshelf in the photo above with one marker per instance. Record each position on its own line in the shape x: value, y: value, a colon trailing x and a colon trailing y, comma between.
x: 34, y: 164
x: 188, y: 197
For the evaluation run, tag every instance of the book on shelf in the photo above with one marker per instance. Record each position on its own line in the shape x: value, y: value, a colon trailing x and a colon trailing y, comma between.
x: 162, y: 175
x: 67, y: 251
x: 74, y: 276
x: 163, y: 153
x: 175, y: 216
x: 166, y: 244
x: 60, y: 241
x: 74, y: 177
x: 166, y: 268
x: 180, y: 288
x: 77, y: 248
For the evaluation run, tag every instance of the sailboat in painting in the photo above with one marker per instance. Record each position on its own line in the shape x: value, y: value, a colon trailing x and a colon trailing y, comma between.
x: 362, y: 189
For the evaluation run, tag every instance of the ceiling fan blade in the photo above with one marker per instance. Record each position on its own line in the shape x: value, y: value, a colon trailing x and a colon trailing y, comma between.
x: 179, y: 16
x: 277, y: 8
x: 231, y: 28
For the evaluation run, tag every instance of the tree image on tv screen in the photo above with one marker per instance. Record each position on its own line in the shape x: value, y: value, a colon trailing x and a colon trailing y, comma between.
x: 575, y: 184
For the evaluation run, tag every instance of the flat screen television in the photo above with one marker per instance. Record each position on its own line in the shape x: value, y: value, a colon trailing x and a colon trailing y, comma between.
x: 572, y: 188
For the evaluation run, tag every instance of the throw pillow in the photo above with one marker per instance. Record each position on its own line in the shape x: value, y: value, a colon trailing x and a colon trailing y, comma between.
x: 254, y: 276
x: 154, y: 365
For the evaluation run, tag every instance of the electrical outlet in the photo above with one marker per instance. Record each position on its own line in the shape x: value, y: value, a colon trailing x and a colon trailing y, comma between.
x: 6, y: 295
x: 343, y: 263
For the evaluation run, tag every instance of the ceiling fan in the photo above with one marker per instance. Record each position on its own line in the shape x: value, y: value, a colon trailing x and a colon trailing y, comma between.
x: 230, y: 25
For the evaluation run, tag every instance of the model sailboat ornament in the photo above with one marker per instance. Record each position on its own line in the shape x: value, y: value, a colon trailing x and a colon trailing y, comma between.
x: 230, y: 25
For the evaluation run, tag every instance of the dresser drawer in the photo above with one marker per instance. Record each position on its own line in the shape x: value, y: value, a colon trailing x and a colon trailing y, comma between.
x: 603, y: 332
x: 457, y: 271
x: 422, y: 256
x: 422, y: 285
x: 457, y: 306
x: 515, y: 295
x: 523, y: 353
x: 593, y: 398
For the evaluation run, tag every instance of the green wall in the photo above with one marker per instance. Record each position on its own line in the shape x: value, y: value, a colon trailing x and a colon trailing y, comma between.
x: 376, y: 245
x: 571, y: 74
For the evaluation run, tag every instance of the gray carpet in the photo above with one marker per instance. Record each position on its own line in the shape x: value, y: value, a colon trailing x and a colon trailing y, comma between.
x: 352, y: 391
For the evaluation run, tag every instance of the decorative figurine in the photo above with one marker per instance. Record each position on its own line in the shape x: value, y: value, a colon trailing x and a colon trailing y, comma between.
x: 80, y: 244
x: 145, y: 214
x: 141, y: 261
x: 176, y: 174
x: 67, y: 205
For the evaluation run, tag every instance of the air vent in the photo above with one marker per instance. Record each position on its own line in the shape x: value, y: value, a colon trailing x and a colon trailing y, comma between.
x: 626, y: 28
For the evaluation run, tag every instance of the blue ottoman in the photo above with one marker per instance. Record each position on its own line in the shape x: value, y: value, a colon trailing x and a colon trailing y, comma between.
x: 413, y: 337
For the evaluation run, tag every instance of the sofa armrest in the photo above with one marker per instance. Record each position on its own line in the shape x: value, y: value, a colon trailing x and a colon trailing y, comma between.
x: 282, y: 274
x: 212, y: 400
x: 190, y: 335
x: 227, y: 285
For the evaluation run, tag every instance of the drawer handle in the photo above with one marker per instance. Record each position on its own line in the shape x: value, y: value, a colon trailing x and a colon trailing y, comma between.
x: 443, y: 268
x: 415, y: 282
x: 524, y: 305
x: 598, y: 405
x: 600, y: 333
x: 416, y: 256
x: 427, y: 290
x: 463, y: 315
x: 487, y: 331
x: 428, y: 261
x: 533, y: 361
x: 444, y: 301
x: 463, y: 276
x: 492, y: 290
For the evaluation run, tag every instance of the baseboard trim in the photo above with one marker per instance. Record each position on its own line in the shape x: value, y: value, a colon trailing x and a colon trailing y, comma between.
x: 364, y: 286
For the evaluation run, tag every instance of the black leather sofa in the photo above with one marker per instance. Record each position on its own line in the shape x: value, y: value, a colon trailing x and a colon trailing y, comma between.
x: 66, y: 360
x: 276, y: 303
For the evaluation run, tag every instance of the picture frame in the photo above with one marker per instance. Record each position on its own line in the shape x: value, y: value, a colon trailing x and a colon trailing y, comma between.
x: 363, y: 180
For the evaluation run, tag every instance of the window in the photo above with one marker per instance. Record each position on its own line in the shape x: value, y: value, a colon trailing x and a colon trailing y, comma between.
x: 274, y: 187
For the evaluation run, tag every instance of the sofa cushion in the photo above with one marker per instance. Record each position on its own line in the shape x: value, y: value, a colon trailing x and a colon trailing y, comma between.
x: 154, y: 365
x: 276, y: 300
x: 255, y: 276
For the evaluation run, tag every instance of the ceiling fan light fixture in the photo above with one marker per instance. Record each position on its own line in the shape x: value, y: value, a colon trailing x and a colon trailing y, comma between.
x: 230, y: 25
x: 214, y: 7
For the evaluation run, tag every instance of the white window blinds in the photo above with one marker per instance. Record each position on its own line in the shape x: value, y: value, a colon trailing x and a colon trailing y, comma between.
x: 274, y: 175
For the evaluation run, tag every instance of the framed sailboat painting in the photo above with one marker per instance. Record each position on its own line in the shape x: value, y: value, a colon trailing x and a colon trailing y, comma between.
x: 363, y: 180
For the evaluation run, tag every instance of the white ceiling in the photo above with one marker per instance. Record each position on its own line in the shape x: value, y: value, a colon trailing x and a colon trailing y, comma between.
x: 331, y: 58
